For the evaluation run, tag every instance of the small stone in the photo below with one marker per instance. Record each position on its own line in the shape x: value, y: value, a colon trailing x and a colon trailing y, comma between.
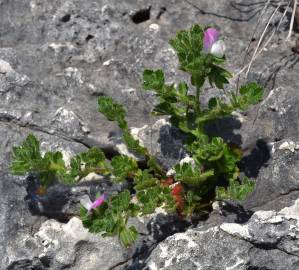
x: 5, y: 67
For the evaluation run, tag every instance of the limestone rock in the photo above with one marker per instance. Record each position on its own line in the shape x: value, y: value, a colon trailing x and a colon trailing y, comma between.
x: 269, y: 240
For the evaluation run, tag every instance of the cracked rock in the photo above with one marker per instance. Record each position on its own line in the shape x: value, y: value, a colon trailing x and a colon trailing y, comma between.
x: 58, y: 57
x: 269, y: 240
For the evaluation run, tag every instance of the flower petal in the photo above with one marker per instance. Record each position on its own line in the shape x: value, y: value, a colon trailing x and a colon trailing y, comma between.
x: 218, y: 48
x: 211, y: 35
x: 99, y: 201
x: 86, y: 202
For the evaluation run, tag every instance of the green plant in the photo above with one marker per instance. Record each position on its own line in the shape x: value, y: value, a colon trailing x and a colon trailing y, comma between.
x: 195, y: 184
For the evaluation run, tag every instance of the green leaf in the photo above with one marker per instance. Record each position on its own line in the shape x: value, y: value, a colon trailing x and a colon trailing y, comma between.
x: 115, y: 112
x: 133, y: 210
x: 192, y: 175
x: 26, y: 157
x: 151, y: 198
x: 153, y: 79
x: 211, y: 151
x: 123, y: 167
x: 87, y: 162
x: 252, y: 92
x: 143, y: 180
x: 121, y: 202
x: 229, y: 160
x: 154, y: 167
x: 188, y: 44
x: 236, y: 190
x: 217, y: 109
x: 128, y: 236
x: 182, y: 89
x: 219, y: 76
x: 93, y: 157
x: 133, y: 144
x: 55, y: 161
x: 112, y: 110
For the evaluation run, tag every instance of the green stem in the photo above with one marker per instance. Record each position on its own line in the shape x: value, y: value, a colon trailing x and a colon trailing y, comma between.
x: 198, y: 111
x: 197, y: 100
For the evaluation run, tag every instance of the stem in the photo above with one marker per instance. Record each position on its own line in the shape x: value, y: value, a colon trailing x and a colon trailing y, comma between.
x: 197, y: 100
x: 197, y: 109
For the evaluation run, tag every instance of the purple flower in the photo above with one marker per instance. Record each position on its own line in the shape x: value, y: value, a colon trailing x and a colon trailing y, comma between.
x: 89, y: 205
x: 212, y: 43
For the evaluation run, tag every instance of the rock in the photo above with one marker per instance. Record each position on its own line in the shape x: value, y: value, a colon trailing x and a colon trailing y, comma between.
x: 17, y: 225
x: 269, y: 240
x: 57, y: 57
x: 278, y: 179
x: 57, y: 246
x: 161, y: 139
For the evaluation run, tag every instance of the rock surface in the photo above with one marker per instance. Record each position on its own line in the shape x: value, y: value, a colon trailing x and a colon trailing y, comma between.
x: 57, y: 57
x: 269, y: 240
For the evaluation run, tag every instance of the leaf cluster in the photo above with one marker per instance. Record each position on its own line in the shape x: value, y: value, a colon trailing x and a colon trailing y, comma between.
x: 111, y: 218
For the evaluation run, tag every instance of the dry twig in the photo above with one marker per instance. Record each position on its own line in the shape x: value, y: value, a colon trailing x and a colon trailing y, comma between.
x: 295, y: 2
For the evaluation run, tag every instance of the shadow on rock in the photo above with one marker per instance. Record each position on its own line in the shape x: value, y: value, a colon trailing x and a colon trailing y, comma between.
x: 159, y: 228
x: 258, y: 155
x: 258, y: 158
x: 61, y: 202
x: 224, y: 128
x: 229, y: 211
x: 170, y: 139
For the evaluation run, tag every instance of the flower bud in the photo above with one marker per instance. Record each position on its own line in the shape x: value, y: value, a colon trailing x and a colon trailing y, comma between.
x: 212, y: 43
x: 218, y: 49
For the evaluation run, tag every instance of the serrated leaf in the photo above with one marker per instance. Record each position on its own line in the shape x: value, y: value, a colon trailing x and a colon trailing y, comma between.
x: 153, y: 79
x: 211, y: 151
x: 149, y: 198
x: 123, y: 167
x: 55, y: 161
x: 235, y: 190
x: 87, y: 162
x: 252, y: 92
x: 112, y: 110
x: 219, y: 76
x: 143, y: 180
x: 121, y: 202
x: 128, y: 236
x: 133, y: 210
x: 192, y: 175
x: 93, y: 157
x: 26, y: 157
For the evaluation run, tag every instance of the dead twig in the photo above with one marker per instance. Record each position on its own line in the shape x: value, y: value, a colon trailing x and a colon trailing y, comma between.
x: 251, y: 40
x: 292, y: 19
x: 261, y: 39
x: 266, y: 43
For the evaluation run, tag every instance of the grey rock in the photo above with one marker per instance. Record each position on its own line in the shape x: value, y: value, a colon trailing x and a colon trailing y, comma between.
x: 57, y: 57
x: 279, y: 178
x: 58, y: 246
x: 269, y: 240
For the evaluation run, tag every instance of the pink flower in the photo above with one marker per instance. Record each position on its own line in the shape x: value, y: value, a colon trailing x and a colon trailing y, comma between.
x: 89, y: 205
x: 212, y: 43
